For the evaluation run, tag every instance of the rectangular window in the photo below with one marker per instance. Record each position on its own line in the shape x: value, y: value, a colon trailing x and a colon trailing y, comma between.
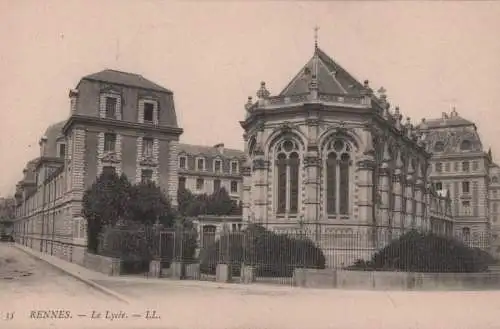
x: 465, y: 187
x: 465, y: 166
x: 234, y: 186
x: 447, y: 167
x: 217, y: 166
x: 182, y: 162
x: 147, y: 147
x: 200, y: 164
x: 439, y: 167
x: 216, y: 185
x: 108, y: 170
x: 234, y: 167
x: 456, y: 166
x: 109, y: 142
x: 182, y: 183
x: 438, y: 186
x: 148, y: 112
x: 466, y: 208
x: 62, y: 150
x: 200, y: 183
x: 146, y: 175
x: 111, y: 103
x: 475, y: 165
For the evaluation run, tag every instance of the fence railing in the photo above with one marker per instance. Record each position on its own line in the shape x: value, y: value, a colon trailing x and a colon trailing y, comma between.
x: 278, y: 254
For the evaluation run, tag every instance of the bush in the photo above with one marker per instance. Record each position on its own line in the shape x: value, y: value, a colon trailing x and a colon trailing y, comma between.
x: 426, y: 252
x: 274, y: 255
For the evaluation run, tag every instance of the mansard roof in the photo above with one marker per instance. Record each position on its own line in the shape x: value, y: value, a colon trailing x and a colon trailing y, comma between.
x: 446, y: 121
x: 209, y: 151
x: 125, y: 79
x: 52, y: 134
x: 332, y: 78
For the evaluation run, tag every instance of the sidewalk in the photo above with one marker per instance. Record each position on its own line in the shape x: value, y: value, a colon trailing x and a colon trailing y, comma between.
x: 76, y: 271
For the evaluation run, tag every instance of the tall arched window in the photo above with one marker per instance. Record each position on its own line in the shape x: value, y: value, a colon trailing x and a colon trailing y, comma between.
x: 338, y: 161
x: 287, y: 169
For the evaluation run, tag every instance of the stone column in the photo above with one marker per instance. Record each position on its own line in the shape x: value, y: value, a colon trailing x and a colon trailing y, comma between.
x: 383, y: 193
x: 410, y: 212
x: 246, y: 171
x: 398, y: 220
x: 364, y: 170
x: 311, y: 202
x: 419, y: 196
x: 259, y: 188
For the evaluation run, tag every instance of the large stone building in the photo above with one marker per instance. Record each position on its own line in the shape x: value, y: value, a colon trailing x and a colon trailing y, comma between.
x: 117, y: 121
x: 326, y: 154
x: 329, y: 155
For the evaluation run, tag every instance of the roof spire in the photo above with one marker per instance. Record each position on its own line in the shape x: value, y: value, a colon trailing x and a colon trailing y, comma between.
x: 316, y: 28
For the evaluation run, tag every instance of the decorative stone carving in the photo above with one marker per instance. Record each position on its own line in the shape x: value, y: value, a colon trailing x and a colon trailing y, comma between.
x: 260, y: 163
x: 263, y: 93
x: 311, y: 160
x: 249, y: 103
x: 148, y: 162
x: 110, y: 157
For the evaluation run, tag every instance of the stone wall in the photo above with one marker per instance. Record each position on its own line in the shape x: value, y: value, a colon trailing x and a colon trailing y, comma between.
x: 106, y: 265
x: 370, y: 280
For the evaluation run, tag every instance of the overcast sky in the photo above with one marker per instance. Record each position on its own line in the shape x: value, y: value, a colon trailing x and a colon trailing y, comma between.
x: 213, y: 55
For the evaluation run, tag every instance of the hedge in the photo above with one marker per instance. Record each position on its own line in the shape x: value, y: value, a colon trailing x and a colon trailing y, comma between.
x: 427, y: 252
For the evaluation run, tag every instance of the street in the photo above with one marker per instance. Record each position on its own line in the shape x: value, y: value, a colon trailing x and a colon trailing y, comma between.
x: 43, y: 297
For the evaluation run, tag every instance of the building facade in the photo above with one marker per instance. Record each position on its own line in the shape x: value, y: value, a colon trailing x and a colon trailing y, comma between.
x: 461, y: 167
x: 329, y: 155
x: 205, y: 169
x: 119, y: 122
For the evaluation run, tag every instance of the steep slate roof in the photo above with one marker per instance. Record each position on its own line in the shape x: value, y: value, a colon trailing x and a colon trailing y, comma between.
x: 126, y: 79
x: 454, y: 121
x: 52, y: 133
x: 209, y: 151
x: 332, y: 78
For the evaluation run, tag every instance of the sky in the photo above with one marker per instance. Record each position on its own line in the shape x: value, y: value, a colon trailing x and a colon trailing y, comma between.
x: 429, y: 56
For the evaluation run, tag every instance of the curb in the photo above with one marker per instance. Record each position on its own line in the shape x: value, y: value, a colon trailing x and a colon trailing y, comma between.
x: 94, y: 285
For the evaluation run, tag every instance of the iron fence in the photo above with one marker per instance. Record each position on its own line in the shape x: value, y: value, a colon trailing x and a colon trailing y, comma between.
x: 273, y: 256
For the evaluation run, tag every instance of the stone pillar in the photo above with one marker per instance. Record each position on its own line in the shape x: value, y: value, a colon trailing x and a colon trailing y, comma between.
x: 311, y: 202
x: 246, y: 172
x: 383, y: 192
x: 419, y: 196
x: 259, y: 188
x: 364, y: 170
x: 397, y: 179
x: 173, y: 178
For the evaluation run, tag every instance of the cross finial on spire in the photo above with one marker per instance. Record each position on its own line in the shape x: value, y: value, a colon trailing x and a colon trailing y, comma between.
x: 316, y: 29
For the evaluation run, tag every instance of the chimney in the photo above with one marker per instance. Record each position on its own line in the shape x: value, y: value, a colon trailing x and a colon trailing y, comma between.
x: 219, y: 147
x: 42, y: 143
x: 73, y: 95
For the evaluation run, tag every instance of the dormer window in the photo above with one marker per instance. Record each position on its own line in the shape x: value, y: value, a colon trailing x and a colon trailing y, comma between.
x: 148, y: 112
x: 183, y: 162
x: 110, y: 107
x: 62, y: 150
x: 466, y: 145
x: 234, y: 167
x: 217, y: 165
x: 200, y: 164
x: 439, y: 147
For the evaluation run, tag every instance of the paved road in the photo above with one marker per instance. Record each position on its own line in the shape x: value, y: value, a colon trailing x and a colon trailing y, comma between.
x: 313, y: 308
x: 28, y: 284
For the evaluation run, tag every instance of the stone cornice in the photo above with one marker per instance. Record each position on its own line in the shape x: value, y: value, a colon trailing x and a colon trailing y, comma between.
x: 111, y: 123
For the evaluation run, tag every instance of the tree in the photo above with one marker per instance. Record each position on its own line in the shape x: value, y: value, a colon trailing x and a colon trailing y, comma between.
x: 148, y: 203
x: 218, y: 203
x: 104, y: 203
